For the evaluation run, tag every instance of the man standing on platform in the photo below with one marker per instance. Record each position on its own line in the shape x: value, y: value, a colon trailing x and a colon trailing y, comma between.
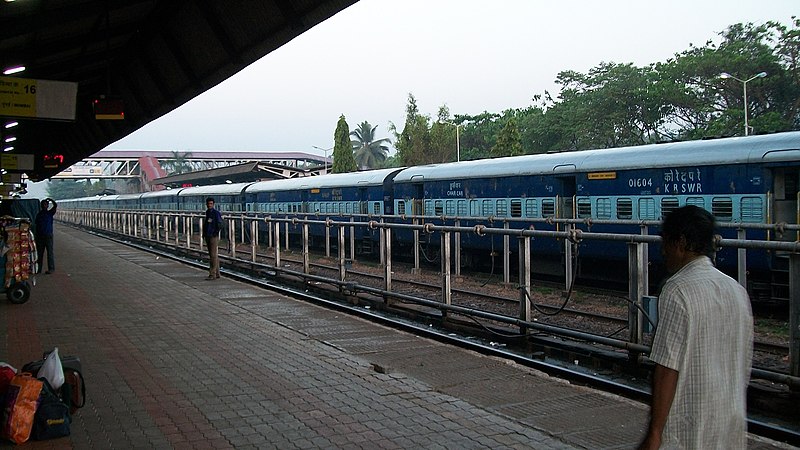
x: 44, y: 234
x: 212, y: 225
x: 703, y: 345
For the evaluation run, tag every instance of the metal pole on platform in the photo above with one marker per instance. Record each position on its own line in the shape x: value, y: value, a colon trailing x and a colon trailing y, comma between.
x: 506, y: 255
x: 253, y: 239
x: 525, y: 295
x: 416, y: 248
x: 794, y: 314
x: 342, y: 268
x: 386, y: 240
x: 352, y: 239
x: 277, y: 245
x: 327, y: 240
x: 457, y: 249
x: 741, y: 234
x: 635, y: 292
x: 306, y: 255
x: 447, y: 291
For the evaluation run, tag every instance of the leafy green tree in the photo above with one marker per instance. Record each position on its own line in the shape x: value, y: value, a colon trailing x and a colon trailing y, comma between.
x: 413, y: 143
x: 508, y: 140
x: 343, y: 160
x: 369, y: 153
x: 64, y: 189
x: 443, y: 138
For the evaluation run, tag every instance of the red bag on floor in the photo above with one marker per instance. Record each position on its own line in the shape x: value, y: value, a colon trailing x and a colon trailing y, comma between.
x: 21, y: 400
x: 6, y: 375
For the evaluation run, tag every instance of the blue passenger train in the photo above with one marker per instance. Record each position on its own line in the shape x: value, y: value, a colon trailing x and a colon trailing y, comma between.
x: 748, y: 180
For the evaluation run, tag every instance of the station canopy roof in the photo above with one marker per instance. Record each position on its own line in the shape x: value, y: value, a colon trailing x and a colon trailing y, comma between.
x: 140, y: 58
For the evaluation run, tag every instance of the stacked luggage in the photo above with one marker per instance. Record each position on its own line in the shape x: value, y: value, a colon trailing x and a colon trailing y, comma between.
x: 39, y: 400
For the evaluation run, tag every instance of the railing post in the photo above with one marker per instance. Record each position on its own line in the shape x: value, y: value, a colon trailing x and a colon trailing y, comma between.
x: 342, y: 260
x: 386, y: 240
x: 277, y: 245
x: 506, y: 255
x: 568, y: 269
x: 525, y: 294
x: 635, y: 293
x: 446, y: 281
x: 306, y: 255
x: 177, y: 230
x: 200, y: 229
x: 794, y: 314
x: 416, y: 269
x: 741, y: 234
x: 286, y: 236
x: 232, y: 237
x: 457, y: 249
x: 327, y: 240
x: 187, y: 226
x: 253, y: 239
x: 352, y: 239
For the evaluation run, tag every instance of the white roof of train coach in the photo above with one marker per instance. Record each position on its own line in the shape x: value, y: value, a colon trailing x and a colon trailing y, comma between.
x: 362, y: 178
x: 161, y: 193
x: 774, y: 147
x: 215, y: 189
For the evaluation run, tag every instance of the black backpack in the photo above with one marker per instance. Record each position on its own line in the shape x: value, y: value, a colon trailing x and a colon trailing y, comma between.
x: 52, y: 417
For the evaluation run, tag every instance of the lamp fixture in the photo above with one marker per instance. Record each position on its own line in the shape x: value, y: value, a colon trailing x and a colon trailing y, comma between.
x: 13, y: 70
x: 11, y: 124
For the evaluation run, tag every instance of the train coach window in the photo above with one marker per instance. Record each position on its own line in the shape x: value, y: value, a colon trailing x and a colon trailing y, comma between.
x: 501, y: 207
x: 474, y: 208
x: 450, y: 207
x: 531, y: 208
x: 647, y: 209
x: 752, y: 209
x: 516, y: 208
x: 428, y: 211
x: 486, y: 208
x: 722, y: 208
x: 548, y: 207
x: 668, y: 205
x: 624, y: 209
x: 401, y: 207
x: 584, y: 208
x: 696, y: 201
x: 438, y: 208
x: 461, y: 208
x: 376, y: 208
x: 603, y: 207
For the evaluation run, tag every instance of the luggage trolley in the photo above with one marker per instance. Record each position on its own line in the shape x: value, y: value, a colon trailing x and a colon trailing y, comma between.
x: 18, y: 260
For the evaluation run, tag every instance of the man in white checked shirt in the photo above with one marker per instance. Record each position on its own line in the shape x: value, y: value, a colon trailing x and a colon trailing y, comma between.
x: 703, y: 345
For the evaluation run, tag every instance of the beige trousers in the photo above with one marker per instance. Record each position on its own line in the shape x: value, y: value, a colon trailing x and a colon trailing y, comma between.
x: 212, y: 242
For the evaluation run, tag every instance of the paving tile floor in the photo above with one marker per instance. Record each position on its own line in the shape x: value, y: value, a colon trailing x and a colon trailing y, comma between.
x: 174, y: 361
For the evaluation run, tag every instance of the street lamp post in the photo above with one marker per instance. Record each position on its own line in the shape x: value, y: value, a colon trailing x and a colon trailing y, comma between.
x: 725, y: 75
x: 326, y: 150
x: 458, y: 140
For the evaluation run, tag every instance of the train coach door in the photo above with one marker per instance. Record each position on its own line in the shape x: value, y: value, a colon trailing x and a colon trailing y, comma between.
x: 785, y: 186
x: 566, y: 197
x: 363, y: 201
x: 419, y: 197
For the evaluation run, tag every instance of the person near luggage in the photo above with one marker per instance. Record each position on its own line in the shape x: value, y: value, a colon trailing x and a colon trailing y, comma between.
x: 44, y: 234
x: 212, y: 225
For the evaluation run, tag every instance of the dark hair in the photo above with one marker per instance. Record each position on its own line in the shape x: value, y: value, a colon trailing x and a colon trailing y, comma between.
x: 209, y: 199
x: 695, y: 224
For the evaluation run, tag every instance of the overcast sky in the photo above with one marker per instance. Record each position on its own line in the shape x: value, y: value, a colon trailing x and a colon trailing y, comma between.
x: 471, y: 55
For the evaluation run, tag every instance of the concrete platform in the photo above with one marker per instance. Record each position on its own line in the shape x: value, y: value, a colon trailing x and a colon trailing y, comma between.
x: 174, y: 361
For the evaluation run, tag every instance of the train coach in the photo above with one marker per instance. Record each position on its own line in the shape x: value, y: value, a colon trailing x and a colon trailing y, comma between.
x: 744, y: 180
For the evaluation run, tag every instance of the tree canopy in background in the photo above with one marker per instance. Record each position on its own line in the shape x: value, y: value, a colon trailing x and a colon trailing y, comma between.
x: 343, y: 160
x: 615, y: 105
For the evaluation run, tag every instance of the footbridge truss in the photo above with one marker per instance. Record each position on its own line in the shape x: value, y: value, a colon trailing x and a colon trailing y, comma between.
x: 151, y: 165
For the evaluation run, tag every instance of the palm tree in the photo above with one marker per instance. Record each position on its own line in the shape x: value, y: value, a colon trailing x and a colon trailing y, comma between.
x: 369, y: 153
x: 179, y: 163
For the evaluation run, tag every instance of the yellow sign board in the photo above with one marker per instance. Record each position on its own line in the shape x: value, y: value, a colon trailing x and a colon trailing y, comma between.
x: 16, y: 162
x: 38, y: 99
x: 603, y: 176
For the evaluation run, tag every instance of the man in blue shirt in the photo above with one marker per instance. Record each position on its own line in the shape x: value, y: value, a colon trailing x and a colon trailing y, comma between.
x: 212, y: 225
x: 44, y: 234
